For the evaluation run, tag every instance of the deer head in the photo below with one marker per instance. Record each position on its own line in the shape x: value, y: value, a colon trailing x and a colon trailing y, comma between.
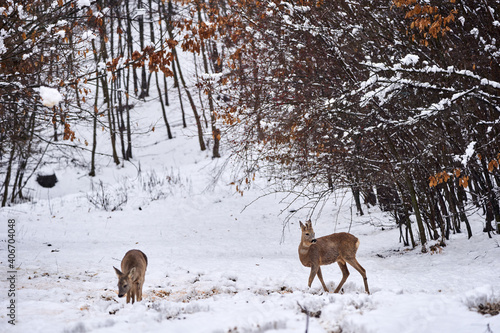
x: 308, y: 236
x: 125, y: 281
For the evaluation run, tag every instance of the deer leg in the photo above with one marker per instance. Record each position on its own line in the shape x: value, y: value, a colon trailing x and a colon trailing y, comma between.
x: 136, y: 292
x: 354, y: 263
x: 139, y: 291
x: 132, y: 293
x: 320, y: 277
x: 314, y: 270
x: 345, y: 275
x: 128, y: 296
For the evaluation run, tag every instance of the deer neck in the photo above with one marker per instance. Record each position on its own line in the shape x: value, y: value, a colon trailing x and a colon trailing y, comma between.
x: 304, y: 255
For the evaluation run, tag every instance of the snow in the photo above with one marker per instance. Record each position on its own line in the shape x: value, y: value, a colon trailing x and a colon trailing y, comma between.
x: 88, y: 35
x: 83, y: 3
x: 220, y: 264
x: 487, y: 82
x: 410, y: 59
x: 469, y: 152
x: 50, y: 96
x: 139, y: 12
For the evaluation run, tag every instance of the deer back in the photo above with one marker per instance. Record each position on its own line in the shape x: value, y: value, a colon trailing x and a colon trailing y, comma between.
x: 137, y: 259
x: 338, y: 246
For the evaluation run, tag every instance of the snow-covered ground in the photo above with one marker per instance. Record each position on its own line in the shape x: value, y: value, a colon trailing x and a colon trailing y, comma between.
x: 218, y: 264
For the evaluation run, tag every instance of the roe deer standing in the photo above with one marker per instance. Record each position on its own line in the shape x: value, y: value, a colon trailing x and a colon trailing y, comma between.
x: 131, y: 278
x: 339, y: 247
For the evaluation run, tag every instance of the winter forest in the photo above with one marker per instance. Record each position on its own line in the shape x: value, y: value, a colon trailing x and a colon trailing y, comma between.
x: 393, y: 103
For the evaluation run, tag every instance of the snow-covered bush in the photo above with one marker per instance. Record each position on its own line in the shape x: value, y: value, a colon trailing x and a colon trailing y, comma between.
x: 147, y: 187
x: 106, y: 197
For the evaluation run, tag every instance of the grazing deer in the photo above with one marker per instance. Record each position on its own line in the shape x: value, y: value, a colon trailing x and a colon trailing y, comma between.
x: 339, y: 247
x: 131, y: 278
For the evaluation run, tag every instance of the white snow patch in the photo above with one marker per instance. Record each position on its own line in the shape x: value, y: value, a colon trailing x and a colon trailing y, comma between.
x: 469, y: 152
x: 50, y: 96
x: 83, y: 3
x: 88, y: 35
x: 410, y: 59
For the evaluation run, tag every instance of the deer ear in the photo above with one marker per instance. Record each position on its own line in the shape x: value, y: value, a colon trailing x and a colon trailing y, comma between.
x: 131, y: 272
x: 301, y: 225
x: 117, y: 271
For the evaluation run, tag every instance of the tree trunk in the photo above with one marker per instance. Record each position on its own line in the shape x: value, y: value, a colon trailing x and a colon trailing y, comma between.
x: 163, y: 111
x: 177, y: 84
x: 130, y: 45
x: 160, y: 94
x: 193, y: 106
x: 23, y: 162
x: 215, y: 131
x: 190, y: 98
x: 406, y: 214
x: 168, y: 19
x: 357, y: 199
x: 7, y: 176
x: 105, y: 91
x: 94, y: 132
x: 413, y: 194
x: 144, y: 81
x: 416, y: 209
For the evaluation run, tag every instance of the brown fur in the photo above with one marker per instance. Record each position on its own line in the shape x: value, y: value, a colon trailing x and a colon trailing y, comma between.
x: 131, y: 277
x: 339, y: 247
